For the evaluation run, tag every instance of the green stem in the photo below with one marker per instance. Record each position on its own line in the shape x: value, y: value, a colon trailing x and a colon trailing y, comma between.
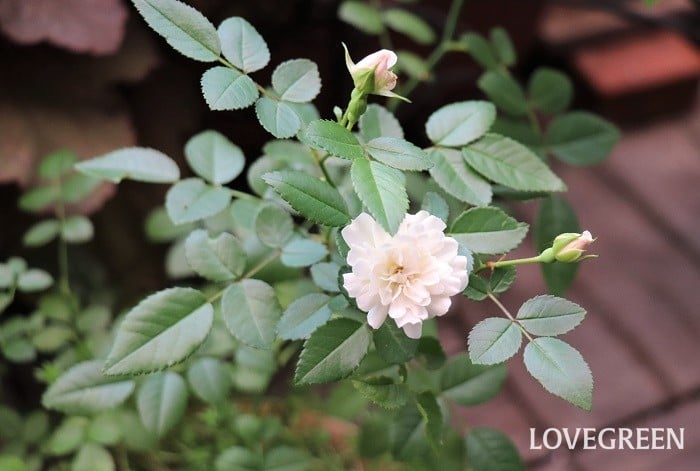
x: 437, y: 54
x: 63, y: 280
x: 260, y: 88
x: 508, y: 314
x: 321, y: 161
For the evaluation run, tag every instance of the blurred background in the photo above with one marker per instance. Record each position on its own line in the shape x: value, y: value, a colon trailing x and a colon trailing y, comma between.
x: 88, y: 75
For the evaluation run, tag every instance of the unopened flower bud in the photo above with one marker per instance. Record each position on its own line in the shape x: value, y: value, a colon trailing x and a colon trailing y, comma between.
x: 372, y: 74
x: 570, y: 247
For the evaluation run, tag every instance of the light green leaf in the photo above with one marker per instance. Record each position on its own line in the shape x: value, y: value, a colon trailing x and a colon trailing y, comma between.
x: 52, y: 337
x: 163, y: 329
x: 210, y: 380
x: 501, y: 43
x: 213, y: 157
x: 77, y: 229
x: 581, y: 138
x: 41, y: 233
x: 549, y: 315
x: 509, y: 163
x: 393, y: 345
x: 242, y: 45
x: 550, y: 90
x: 398, y: 153
x: 192, y: 199
x: 458, y: 179
x: 39, y: 198
x: 555, y: 216
x: 332, y: 352
x: 413, y: 65
x: 277, y: 117
x: 325, y: 275
x: 251, y: 312
x: 505, y: 92
x: 561, y: 369
x: 133, y: 163
x: 93, y: 457
x: 303, y: 316
x: 161, y: 402
x: 468, y: 384
x: 12, y: 463
x: 382, y: 190
x: 362, y: 16
x: 297, y: 80
x: 106, y: 428
x: 228, y: 89
x: 77, y: 187
x: 83, y: 389
x: 238, y: 458
x: 494, y: 340
x: 313, y: 198
x: 377, y: 121
x: 56, y: 164
x: 410, y: 25
x: 33, y: 280
x: 273, y: 226
x: 460, y: 123
x: 219, y: 259
x: 383, y: 392
x: 286, y: 458
x: 436, y: 205
x: 480, y: 50
x: 68, y: 436
x: 333, y: 138
x: 302, y: 253
x: 184, y: 28
x: 488, y: 230
x: 490, y: 450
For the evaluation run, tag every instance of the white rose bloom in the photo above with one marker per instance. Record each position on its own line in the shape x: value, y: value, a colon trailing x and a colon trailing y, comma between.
x: 410, y: 276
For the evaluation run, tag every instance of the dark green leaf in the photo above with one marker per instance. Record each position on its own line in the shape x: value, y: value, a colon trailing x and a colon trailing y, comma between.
x: 550, y: 90
x: 549, y: 315
x: 581, y: 138
x: 494, y: 340
x: 392, y: 344
x: 467, y: 384
x: 555, y: 217
x: 333, y: 138
x: 251, y: 311
x: 505, y: 92
x: 382, y: 190
x: 488, y: 230
x: 490, y: 450
x: 409, y: 24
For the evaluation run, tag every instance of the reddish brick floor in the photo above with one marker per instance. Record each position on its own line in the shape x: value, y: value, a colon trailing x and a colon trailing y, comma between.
x: 642, y: 335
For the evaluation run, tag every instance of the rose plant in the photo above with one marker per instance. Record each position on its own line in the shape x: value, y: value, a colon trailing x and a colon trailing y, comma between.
x: 335, y: 267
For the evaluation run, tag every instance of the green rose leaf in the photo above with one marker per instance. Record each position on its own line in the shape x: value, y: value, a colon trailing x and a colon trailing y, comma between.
x: 436, y: 205
x: 581, y: 138
x: 41, y: 233
x: 12, y: 463
x: 550, y: 90
x: 488, y: 230
x: 494, y: 340
x: 458, y: 124
x: 106, y: 428
x: 251, y: 312
x: 192, y: 199
x: 238, y: 458
x: 228, y: 89
x: 210, y: 380
x: 213, y: 157
x: 68, y: 436
x: 377, y: 121
x: 556, y: 216
x: 333, y: 138
x: 277, y: 117
x: 39, y: 198
x: 57, y: 164
x: 93, y: 457
x: 184, y: 28
x: 409, y: 24
x: 393, y: 345
x: 313, y: 198
x: 490, y: 450
x: 297, y: 80
x: 509, y: 163
x: 383, y: 392
x: 325, y: 275
x: 160, y: 228
x: 549, y: 315
x: 83, y: 389
x: 561, y: 369
x: 430, y: 410
x: 286, y: 458
x: 468, y: 384
x: 303, y: 316
x: 242, y: 45
x: 133, y: 163
x: 480, y: 50
x: 163, y: 329
x: 382, y: 190
x: 77, y: 229
x: 273, y: 226
x: 505, y: 92
x: 362, y: 16
x: 218, y: 259
x: 503, y: 46
x: 332, y: 352
x: 161, y: 402
x: 458, y: 179
x: 34, y: 280
x: 302, y: 253
x: 398, y: 153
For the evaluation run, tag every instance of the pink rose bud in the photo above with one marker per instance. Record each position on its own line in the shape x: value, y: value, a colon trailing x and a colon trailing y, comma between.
x: 570, y: 247
x: 372, y: 74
